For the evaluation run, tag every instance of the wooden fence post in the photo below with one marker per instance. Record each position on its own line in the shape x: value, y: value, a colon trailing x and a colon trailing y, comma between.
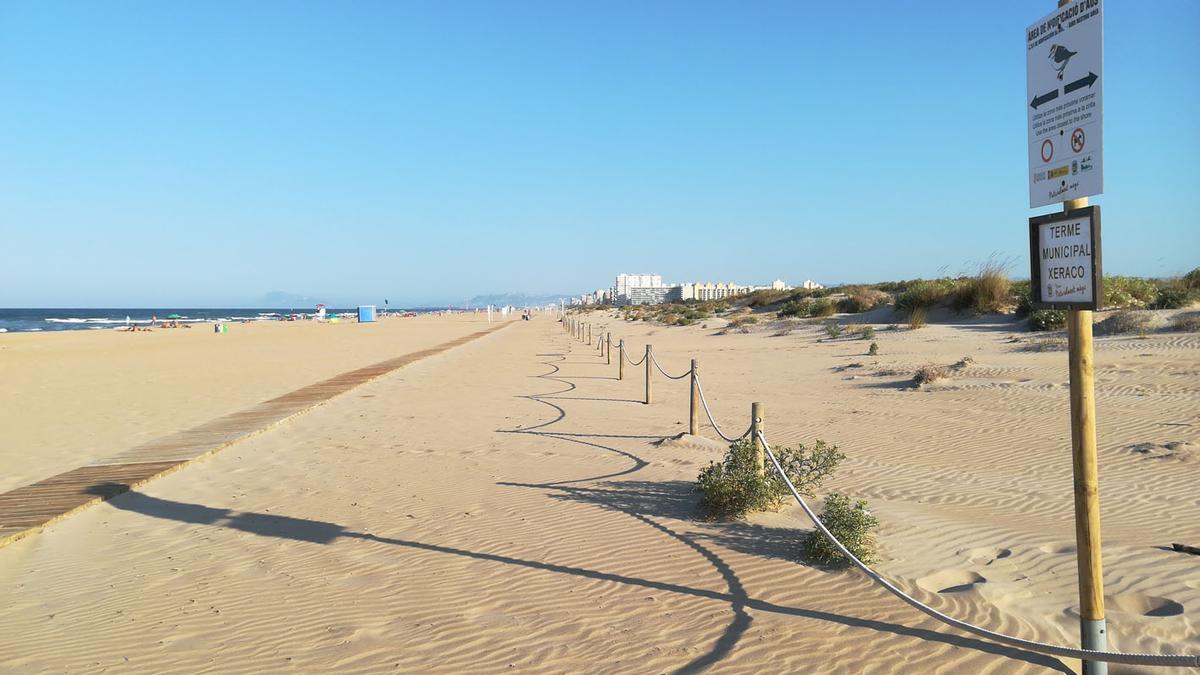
x: 694, y: 407
x: 646, y: 358
x: 756, y: 427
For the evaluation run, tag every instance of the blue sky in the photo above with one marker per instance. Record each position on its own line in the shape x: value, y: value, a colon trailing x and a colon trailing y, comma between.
x: 206, y: 153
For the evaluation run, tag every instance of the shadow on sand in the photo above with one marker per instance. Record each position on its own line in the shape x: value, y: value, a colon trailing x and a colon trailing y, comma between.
x: 670, y: 501
x: 642, y: 501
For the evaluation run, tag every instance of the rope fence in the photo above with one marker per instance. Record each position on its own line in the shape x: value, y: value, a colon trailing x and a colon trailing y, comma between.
x: 625, y: 355
x: 578, y: 330
x: 665, y: 374
x: 713, y: 423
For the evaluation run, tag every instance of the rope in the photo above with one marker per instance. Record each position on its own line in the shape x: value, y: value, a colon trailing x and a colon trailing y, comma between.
x: 660, y: 369
x: 1042, y: 647
x: 640, y: 362
x: 713, y: 422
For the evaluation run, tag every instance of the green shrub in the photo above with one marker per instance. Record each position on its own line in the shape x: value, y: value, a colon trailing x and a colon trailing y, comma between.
x: 922, y: 294
x: 851, y: 523
x: 862, y: 300
x: 918, y: 318
x: 1126, y: 292
x: 1047, y: 319
x: 1191, y: 280
x: 796, y: 308
x: 808, y: 308
x: 1173, y: 297
x: 868, y: 333
x: 873, y: 349
x: 735, y: 487
x: 1022, y: 295
x: 766, y: 296
x: 833, y: 329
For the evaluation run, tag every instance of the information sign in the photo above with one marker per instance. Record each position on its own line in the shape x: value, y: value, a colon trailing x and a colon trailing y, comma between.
x: 1064, y: 59
x: 1065, y: 251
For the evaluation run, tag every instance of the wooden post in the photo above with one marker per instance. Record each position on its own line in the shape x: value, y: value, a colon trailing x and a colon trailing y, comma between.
x: 608, y: 349
x: 694, y: 405
x: 621, y: 360
x: 648, y: 366
x: 1085, y: 467
x: 589, y: 334
x: 756, y: 427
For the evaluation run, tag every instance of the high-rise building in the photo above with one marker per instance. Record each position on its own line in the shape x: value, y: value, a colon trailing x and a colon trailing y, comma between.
x: 625, y: 282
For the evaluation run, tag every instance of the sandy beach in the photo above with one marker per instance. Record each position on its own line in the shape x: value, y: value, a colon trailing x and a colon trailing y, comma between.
x: 510, y: 505
x: 76, y: 396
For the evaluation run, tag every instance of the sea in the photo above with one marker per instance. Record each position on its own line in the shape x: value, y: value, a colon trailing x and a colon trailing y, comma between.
x: 33, y: 319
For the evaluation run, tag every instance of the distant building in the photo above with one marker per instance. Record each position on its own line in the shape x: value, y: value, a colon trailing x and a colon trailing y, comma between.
x: 650, y: 295
x: 711, y: 291
x: 626, y: 282
x: 811, y: 285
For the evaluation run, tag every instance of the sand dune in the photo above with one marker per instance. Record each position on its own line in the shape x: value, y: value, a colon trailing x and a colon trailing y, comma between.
x: 511, y: 505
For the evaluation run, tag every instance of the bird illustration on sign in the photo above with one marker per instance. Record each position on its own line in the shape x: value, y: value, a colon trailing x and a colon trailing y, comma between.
x: 1059, y: 57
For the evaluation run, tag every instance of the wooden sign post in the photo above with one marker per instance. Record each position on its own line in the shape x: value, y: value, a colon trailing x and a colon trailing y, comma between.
x: 1065, y: 273
x: 1064, y: 79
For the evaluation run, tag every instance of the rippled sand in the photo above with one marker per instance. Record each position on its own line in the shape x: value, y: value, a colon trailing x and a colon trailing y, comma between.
x: 510, y: 505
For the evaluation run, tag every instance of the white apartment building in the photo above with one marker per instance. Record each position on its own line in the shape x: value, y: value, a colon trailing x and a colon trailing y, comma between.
x: 720, y: 291
x: 625, y: 282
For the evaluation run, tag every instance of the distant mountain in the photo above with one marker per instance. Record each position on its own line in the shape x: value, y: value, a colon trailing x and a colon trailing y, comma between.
x: 515, y: 299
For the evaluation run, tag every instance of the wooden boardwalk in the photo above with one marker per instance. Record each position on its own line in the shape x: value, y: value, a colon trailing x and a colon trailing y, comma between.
x: 29, y: 508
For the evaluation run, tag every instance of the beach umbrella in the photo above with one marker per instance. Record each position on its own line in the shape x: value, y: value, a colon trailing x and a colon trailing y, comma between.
x: 174, y: 316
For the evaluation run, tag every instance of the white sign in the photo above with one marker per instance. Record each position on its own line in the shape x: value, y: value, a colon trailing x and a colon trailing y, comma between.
x: 1064, y: 69
x: 1065, y: 257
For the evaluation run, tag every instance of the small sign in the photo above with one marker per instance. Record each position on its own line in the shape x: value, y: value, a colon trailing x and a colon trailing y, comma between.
x: 1064, y: 69
x: 1064, y: 249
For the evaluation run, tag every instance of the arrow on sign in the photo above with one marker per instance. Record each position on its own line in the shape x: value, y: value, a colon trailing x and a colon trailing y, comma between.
x: 1046, y: 97
x: 1081, y: 83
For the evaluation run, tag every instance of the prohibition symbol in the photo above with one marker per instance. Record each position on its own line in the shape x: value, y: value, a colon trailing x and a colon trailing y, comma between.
x: 1048, y: 149
x: 1077, y: 140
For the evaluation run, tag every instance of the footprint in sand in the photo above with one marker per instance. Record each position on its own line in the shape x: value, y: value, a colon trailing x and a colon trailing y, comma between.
x: 1057, y: 548
x: 1183, y: 451
x: 951, y: 581
x: 1141, y: 604
x: 987, y: 555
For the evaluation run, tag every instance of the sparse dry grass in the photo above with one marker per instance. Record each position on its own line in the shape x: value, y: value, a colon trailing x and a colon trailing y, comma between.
x: 930, y: 374
x: 1050, y: 344
x: 918, y: 318
x: 1188, y: 323
x: 1126, y: 322
x: 862, y: 300
x: 988, y: 292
